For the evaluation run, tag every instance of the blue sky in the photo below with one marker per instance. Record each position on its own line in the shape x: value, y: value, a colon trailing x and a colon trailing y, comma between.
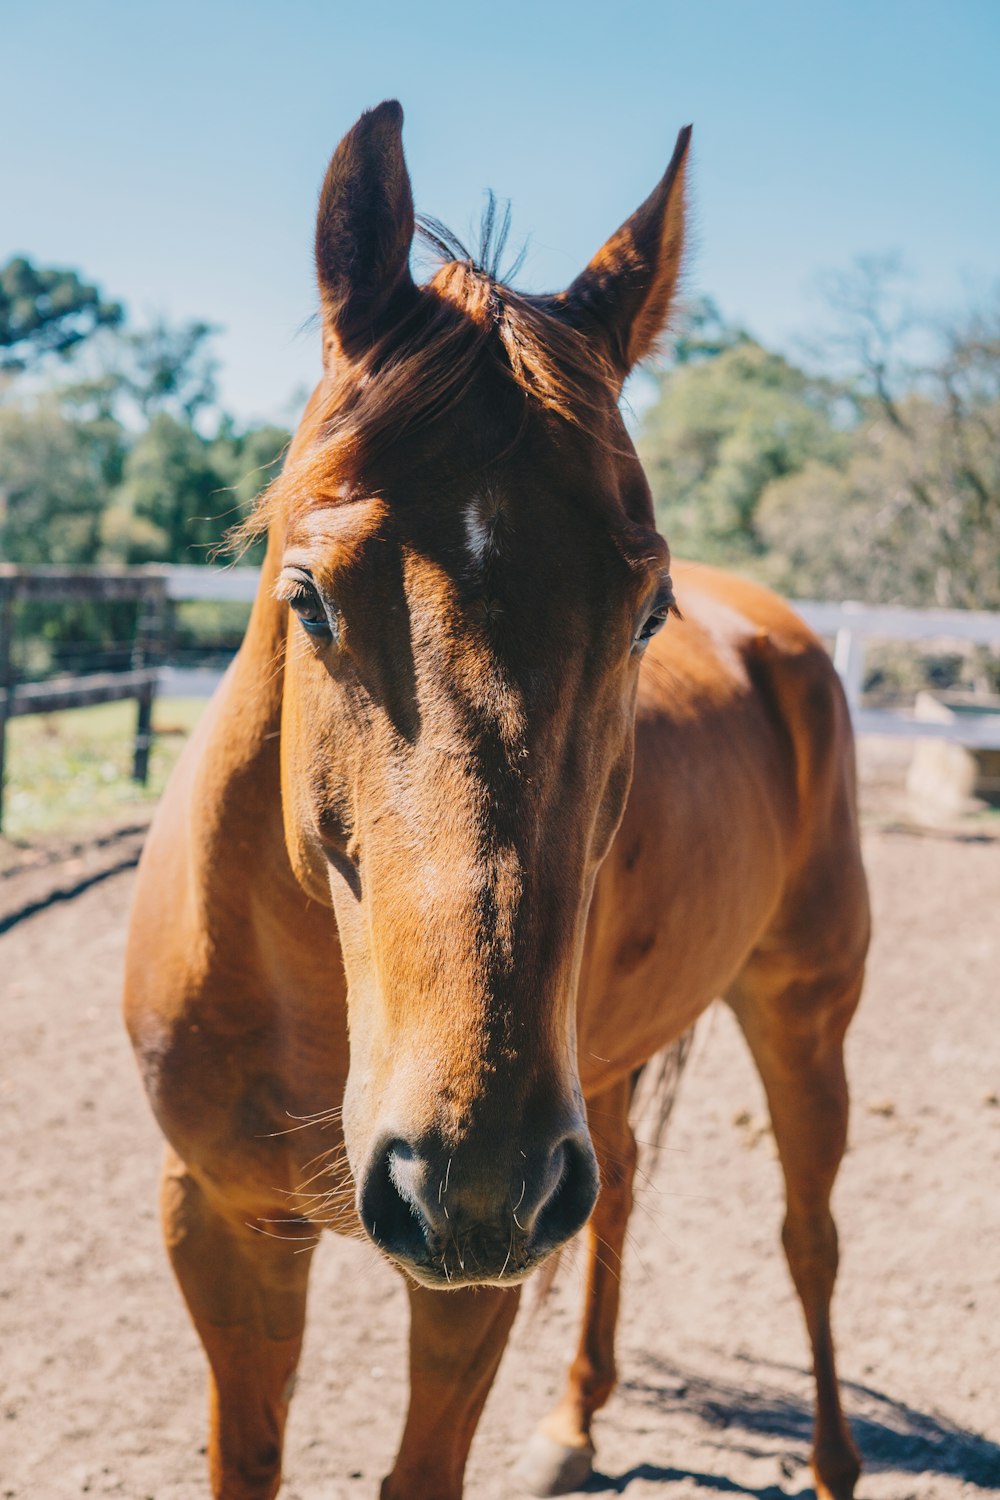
x: 174, y: 152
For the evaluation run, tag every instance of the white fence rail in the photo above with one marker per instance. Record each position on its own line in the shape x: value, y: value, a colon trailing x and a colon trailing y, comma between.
x: 851, y: 625
x: 223, y: 585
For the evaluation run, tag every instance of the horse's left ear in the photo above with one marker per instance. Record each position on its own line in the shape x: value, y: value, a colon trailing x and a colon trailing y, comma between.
x: 624, y: 297
x: 364, y: 231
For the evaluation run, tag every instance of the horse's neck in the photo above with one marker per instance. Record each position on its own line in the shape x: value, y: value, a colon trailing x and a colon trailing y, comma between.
x: 262, y: 653
x: 228, y: 787
x: 218, y: 843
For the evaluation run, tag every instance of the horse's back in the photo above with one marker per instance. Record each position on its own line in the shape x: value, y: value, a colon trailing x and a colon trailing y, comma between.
x: 741, y: 826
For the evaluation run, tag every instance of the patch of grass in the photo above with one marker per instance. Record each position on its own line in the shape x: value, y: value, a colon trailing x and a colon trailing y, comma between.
x: 69, y: 772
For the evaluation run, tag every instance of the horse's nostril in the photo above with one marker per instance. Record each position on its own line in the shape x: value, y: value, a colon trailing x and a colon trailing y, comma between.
x: 388, y: 1213
x: 420, y: 1215
x: 571, y: 1202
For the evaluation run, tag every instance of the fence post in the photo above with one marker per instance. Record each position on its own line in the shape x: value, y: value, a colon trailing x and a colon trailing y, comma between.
x: 148, y: 634
x: 6, y: 673
x: 849, y: 660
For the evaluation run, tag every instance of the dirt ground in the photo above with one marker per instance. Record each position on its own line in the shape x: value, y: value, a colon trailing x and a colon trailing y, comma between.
x: 101, y: 1379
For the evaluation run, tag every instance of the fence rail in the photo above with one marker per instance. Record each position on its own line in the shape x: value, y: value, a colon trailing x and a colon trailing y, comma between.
x: 80, y: 692
x: 851, y: 625
x: 147, y: 587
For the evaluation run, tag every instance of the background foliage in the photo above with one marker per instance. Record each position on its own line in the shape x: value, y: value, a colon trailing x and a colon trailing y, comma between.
x: 113, y: 449
x: 113, y: 445
x: 876, y: 479
x: 867, y: 468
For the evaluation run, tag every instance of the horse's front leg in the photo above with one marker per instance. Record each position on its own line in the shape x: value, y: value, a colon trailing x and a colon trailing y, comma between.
x: 246, y: 1293
x: 559, y: 1457
x: 456, y: 1342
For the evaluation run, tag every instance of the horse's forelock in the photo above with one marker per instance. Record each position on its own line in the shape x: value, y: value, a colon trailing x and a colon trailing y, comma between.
x: 466, y: 323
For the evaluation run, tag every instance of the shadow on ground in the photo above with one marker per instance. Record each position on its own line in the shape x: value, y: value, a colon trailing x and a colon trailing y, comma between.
x: 890, y: 1434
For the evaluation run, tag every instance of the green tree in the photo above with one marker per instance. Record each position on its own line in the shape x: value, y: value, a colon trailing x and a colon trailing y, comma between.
x: 44, y: 310
x: 168, y: 505
x: 170, y: 369
x: 248, y: 459
x: 722, y: 429
x: 52, y: 487
x: 182, y: 492
x: 913, y: 517
x: 911, y: 513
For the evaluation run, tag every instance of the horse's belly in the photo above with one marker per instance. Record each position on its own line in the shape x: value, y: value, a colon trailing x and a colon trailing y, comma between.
x: 656, y: 979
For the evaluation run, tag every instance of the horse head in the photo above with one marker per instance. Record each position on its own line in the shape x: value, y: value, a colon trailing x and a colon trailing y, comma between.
x: 465, y: 541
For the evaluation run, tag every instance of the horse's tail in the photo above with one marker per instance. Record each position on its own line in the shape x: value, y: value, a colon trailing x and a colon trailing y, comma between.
x: 655, y: 1086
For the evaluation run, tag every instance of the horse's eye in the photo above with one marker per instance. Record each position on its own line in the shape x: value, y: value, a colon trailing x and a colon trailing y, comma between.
x: 654, y: 622
x: 301, y: 596
x: 310, y: 612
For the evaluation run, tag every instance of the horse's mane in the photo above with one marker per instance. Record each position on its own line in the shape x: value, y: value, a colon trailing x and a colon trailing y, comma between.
x: 467, y: 319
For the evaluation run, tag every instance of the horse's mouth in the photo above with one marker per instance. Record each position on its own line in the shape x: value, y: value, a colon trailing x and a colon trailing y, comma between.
x: 450, y: 1270
x: 439, y: 1279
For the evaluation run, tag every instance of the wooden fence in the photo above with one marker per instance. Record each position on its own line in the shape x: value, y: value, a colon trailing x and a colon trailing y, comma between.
x: 851, y: 626
x: 146, y: 586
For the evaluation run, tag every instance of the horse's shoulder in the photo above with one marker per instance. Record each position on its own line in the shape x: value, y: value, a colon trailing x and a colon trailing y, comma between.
x: 742, y: 690
x: 746, y: 641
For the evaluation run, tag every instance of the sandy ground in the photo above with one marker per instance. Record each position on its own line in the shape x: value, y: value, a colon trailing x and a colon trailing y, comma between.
x: 101, y: 1378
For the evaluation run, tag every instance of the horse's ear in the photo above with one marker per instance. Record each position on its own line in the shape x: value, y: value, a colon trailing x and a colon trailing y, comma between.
x: 364, y: 231
x: 624, y: 297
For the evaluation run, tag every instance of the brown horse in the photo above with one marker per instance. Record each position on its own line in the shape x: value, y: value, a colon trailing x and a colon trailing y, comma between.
x: 460, y: 846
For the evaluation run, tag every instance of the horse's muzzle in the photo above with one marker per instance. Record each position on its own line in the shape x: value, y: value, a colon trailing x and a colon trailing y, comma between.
x: 450, y: 1220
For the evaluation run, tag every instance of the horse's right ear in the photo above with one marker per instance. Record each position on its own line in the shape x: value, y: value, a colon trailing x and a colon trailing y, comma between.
x: 625, y: 295
x: 364, y: 231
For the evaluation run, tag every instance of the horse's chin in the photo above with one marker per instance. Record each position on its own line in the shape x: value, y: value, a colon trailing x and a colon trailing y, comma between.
x: 436, y: 1279
x: 445, y: 1273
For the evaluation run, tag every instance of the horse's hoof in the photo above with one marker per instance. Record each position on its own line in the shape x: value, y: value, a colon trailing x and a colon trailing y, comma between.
x: 838, y: 1485
x: 836, y: 1470
x: 550, y: 1468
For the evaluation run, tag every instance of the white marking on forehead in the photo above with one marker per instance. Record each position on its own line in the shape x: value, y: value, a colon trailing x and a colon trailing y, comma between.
x: 478, y: 531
